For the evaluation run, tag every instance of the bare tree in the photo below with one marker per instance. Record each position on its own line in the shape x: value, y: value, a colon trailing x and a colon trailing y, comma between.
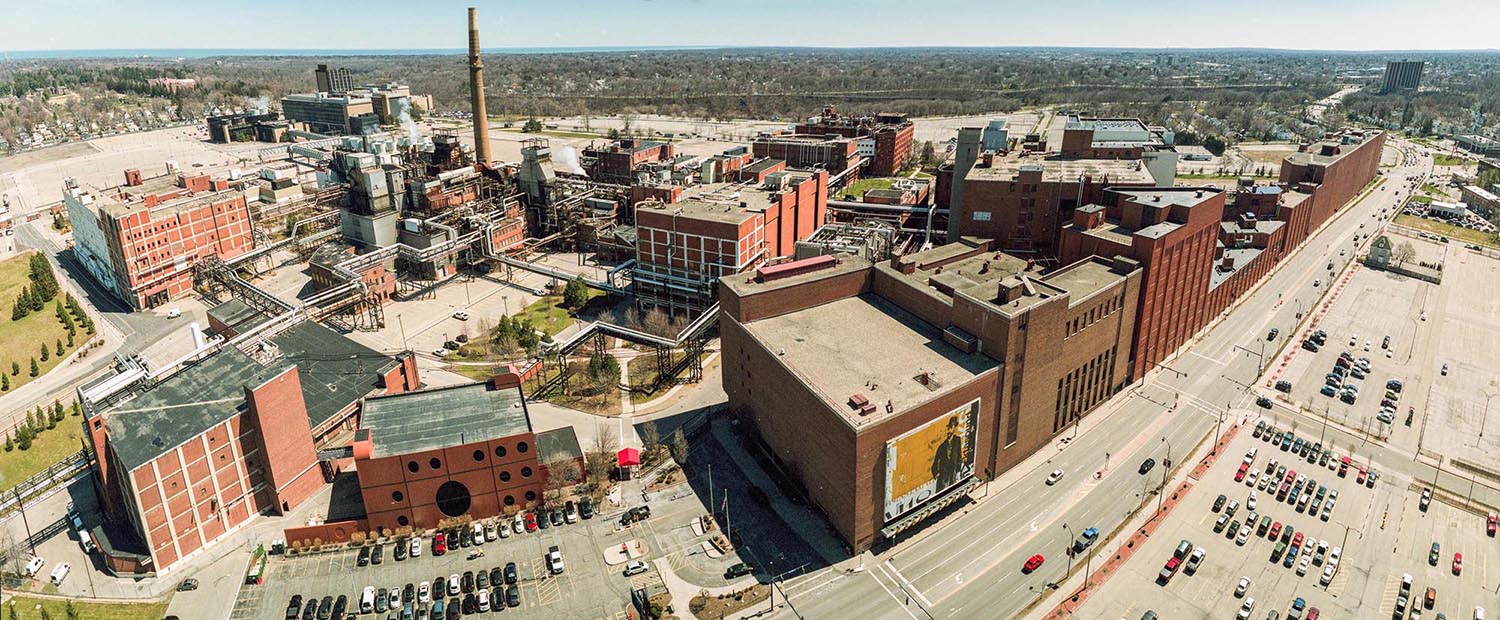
x: 15, y: 553
x: 657, y: 322
x: 601, y: 456
x: 679, y: 447
x: 649, y: 437
x: 1403, y: 253
x: 561, y: 474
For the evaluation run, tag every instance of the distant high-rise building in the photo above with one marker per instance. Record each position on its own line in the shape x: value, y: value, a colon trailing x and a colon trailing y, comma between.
x: 333, y: 79
x: 1402, y: 75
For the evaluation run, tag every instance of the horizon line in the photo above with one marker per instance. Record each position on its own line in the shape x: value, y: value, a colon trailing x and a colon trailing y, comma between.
x: 378, y: 51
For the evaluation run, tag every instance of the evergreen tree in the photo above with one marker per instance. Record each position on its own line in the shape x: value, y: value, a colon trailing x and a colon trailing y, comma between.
x: 59, y: 347
x: 70, y: 338
x: 57, y: 310
x: 24, y: 435
x: 9, y: 445
x: 46, y: 355
x: 34, y: 369
x: 4, y: 383
x: 15, y: 368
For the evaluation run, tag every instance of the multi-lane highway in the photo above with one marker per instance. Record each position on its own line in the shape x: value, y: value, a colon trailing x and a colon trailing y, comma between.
x: 970, y: 565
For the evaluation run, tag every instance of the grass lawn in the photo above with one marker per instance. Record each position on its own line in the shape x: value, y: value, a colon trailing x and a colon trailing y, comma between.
x: 1432, y: 189
x: 48, y: 448
x: 1447, y: 230
x: 858, y: 188
x: 1449, y: 160
x: 27, y: 608
x: 22, y: 340
x: 548, y: 315
x: 1420, y: 199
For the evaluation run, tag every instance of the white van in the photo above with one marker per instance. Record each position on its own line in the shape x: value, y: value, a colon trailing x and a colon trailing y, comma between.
x: 367, y: 600
x: 34, y: 566
x: 60, y: 572
x: 87, y: 540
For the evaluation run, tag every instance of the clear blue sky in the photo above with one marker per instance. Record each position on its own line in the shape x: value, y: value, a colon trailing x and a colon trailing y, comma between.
x: 385, y: 24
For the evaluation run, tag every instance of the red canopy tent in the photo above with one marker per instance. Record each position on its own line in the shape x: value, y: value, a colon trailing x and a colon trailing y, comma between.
x: 629, y: 457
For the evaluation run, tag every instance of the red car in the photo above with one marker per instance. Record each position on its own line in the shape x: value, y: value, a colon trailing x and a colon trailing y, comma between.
x: 1275, y: 531
x: 1458, y: 563
x: 439, y: 544
x: 1032, y: 563
x: 1312, y: 614
x: 1361, y: 478
x: 530, y: 522
x: 1489, y: 526
x: 1240, y: 475
x: 1297, y: 539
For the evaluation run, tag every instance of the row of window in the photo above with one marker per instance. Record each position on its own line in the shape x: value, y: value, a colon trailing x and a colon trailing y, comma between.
x: 1095, y: 314
x: 500, y: 452
x: 1083, y: 388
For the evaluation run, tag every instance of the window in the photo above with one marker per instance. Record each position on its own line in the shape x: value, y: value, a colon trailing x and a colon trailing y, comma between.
x: 453, y: 498
x: 522, y: 447
x: 396, y: 496
x: 510, y: 500
x: 531, y: 496
x: 499, y: 452
x: 479, y: 455
x: 525, y: 472
x: 505, y: 476
x: 435, y: 463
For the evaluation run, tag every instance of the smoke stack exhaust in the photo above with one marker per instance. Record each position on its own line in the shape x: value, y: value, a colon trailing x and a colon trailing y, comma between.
x: 476, y: 92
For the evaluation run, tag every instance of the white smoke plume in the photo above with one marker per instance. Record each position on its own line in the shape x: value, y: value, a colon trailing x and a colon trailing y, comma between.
x: 568, y: 157
x: 258, y: 105
x: 407, y: 124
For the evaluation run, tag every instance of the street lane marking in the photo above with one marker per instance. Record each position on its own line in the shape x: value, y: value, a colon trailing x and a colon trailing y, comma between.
x: 912, y: 589
x: 899, y: 603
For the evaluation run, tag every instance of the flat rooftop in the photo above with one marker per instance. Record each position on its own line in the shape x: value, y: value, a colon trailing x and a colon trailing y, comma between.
x: 1169, y: 196
x: 1243, y: 257
x: 867, y: 345
x: 1057, y: 170
x: 335, y: 372
x: 441, y: 417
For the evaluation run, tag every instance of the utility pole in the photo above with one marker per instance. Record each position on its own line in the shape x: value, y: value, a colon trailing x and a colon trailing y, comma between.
x: 1162, y: 490
x: 21, y: 506
x: 402, y: 325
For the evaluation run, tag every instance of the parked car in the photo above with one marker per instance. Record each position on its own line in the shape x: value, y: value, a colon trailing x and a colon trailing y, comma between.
x: 741, y: 569
x: 636, y: 567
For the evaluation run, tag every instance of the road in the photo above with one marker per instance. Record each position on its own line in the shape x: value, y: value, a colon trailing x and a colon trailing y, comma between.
x: 973, y: 562
x: 137, y: 330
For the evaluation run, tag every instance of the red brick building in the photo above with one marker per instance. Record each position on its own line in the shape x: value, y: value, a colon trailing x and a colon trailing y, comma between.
x: 1333, y: 171
x: 713, y: 231
x: 616, y: 162
x: 186, y: 459
x: 141, y: 240
x: 835, y: 154
x: 481, y: 458
x: 1172, y: 232
x: 851, y: 372
x: 885, y: 139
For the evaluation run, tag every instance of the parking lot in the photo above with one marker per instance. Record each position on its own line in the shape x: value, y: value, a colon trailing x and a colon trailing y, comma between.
x: 587, y: 589
x: 1380, y: 531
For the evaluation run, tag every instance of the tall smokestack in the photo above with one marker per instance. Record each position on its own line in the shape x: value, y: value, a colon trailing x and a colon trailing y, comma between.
x: 476, y: 91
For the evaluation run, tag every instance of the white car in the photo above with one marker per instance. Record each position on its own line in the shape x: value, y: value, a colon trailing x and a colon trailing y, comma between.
x: 1244, y: 587
x: 1244, y: 535
x: 519, y: 524
x: 1302, y: 565
x: 636, y: 567
x: 489, y: 532
x: 34, y: 566
x: 394, y: 600
x: 1053, y: 477
x: 416, y: 547
x: 1251, y: 479
x: 478, y: 530
x: 453, y: 584
x: 484, y: 599
x: 1246, y: 609
x: 1250, y: 501
x: 1327, y: 575
x: 461, y: 315
x: 1333, y: 555
x: 424, y: 592
x: 440, y: 352
x: 174, y: 313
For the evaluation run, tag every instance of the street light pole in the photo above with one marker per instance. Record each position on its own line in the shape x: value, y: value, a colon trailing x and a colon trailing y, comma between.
x: 1071, y: 537
x: 1165, y: 468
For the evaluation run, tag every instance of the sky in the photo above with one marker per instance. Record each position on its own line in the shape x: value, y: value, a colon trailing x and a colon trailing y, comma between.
x: 441, y: 24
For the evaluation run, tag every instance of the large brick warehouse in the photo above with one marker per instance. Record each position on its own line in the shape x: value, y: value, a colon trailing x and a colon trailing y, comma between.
x: 914, y: 381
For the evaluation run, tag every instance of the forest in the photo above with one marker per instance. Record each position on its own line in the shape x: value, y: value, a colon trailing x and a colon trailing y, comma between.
x: 1238, y: 94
